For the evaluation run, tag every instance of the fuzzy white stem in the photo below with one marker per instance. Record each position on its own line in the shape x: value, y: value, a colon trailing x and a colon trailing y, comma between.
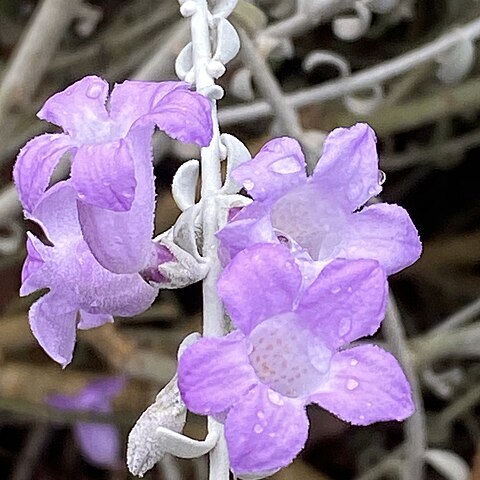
x: 213, y: 314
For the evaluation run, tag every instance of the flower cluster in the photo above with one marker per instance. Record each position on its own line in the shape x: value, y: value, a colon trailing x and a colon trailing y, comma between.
x: 305, y: 277
x: 99, y: 222
x: 305, y: 264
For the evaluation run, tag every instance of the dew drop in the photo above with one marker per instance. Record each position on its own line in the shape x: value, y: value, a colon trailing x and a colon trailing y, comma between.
x: 261, y: 414
x: 285, y: 166
x: 352, y: 384
x: 275, y: 398
x: 381, y: 177
x: 353, y: 362
x: 345, y: 326
x: 362, y: 417
x: 258, y: 428
x: 94, y: 91
x: 248, y: 184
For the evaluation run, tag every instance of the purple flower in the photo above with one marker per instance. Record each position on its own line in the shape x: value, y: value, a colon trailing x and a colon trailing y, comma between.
x: 108, y: 139
x: 80, y: 289
x: 323, y: 214
x: 291, y: 348
x: 98, y: 442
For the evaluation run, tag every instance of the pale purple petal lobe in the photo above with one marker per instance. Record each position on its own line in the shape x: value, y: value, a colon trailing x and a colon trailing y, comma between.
x: 260, y: 282
x: 122, y: 241
x: 215, y: 372
x: 35, y: 165
x: 346, y: 301
x: 185, y: 116
x: 133, y: 99
x: 80, y: 109
x: 93, y: 320
x: 366, y: 385
x: 384, y: 233
x: 249, y: 226
x: 348, y: 166
x: 265, y: 431
x: 52, y: 321
x: 277, y: 167
x: 104, y: 175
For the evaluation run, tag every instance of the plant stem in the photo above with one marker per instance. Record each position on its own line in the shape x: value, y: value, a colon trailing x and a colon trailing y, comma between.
x: 213, y: 314
x: 415, y: 427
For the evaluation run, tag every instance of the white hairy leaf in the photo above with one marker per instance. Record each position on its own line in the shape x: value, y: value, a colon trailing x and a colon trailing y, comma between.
x: 350, y: 27
x: 224, y: 8
x: 184, y: 61
x: 241, y: 84
x: 187, y: 229
x: 237, y: 153
x: 456, y: 63
x: 184, y: 185
x: 448, y: 464
x: 228, y: 42
x: 146, y: 443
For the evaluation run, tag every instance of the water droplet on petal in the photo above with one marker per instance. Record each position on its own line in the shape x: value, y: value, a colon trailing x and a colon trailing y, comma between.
x: 260, y: 414
x: 353, y: 362
x: 352, y: 384
x: 94, y: 91
x: 275, y: 398
x: 248, y: 184
x: 381, y: 177
x: 285, y: 166
x: 344, y: 327
x: 258, y: 428
x: 362, y: 417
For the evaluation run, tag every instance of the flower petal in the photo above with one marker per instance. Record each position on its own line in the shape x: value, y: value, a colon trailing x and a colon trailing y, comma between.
x: 122, y: 241
x: 104, y: 175
x: 384, y: 233
x: 277, y: 167
x: 99, y: 443
x: 52, y: 320
x: 56, y: 213
x: 265, y: 431
x: 80, y: 109
x: 215, y: 372
x: 93, y: 320
x: 35, y: 165
x: 33, y: 277
x: 349, y: 165
x: 346, y: 301
x: 250, y: 226
x: 133, y: 99
x: 366, y: 385
x: 183, y: 115
x: 260, y: 282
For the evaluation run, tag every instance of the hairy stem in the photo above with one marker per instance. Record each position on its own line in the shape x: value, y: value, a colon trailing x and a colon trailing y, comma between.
x: 213, y: 314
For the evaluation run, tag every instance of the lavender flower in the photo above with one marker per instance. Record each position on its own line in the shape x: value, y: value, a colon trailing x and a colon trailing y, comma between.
x: 98, y: 442
x: 291, y: 348
x: 323, y: 214
x: 78, y: 285
x: 112, y: 172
